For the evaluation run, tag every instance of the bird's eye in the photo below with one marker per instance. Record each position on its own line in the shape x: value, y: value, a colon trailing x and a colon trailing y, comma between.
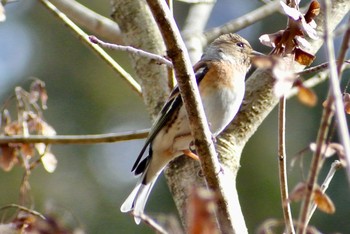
x: 240, y: 44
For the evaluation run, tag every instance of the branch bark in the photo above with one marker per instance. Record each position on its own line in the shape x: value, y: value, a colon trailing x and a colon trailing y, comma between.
x: 198, y: 123
x: 140, y: 31
x: 90, y: 20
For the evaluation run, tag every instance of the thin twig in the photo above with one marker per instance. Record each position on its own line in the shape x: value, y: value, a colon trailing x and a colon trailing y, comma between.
x: 315, y: 80
x: 282, y: 162
x: 243, y: 21
x: 150, y: 222
x: 84, y: 37
x: 77, y: 139
x: 156, y: 57
x: 334, y: 167
x: 30, y: 211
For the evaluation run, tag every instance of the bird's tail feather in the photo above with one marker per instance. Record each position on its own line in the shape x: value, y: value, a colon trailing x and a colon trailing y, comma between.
x: 137, y: 199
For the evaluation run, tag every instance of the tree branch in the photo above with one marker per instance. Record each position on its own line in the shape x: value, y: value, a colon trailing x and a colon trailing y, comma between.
x: 90, y: 20
x: 159, y: 59
x: 243, y: 21
x: 199, y: 127
x: 192, y: 32
x: 77, y: 139
x: 140, y: 30
x: 82, y: 36
x: 282, y: 163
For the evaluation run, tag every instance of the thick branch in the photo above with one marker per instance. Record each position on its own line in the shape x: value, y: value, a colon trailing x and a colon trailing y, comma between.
x: 192, y: 32
x: 140, y: 31
x: 95, y: 23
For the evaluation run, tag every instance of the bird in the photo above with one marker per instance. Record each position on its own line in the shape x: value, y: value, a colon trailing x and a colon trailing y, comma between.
x: 220, y: 76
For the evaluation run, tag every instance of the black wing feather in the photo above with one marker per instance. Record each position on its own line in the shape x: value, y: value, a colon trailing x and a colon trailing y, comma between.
x: 173, y: 104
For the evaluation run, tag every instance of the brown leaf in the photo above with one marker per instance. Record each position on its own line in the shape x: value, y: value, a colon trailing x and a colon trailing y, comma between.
x: 313, y: 11
x: 37, y: 90
x: 323, y: 202
x: 5, y: 118
x: 272, y: 39
x: 307, y: 96
x: 27, y: 150
x: 13, y: 128
x: 8, y: 157
x: 329, y: 149
x: 298, y: 192
x: 339, y: 148
x: 201, y: 212
x: 303, y: 57
x: 346, y: 100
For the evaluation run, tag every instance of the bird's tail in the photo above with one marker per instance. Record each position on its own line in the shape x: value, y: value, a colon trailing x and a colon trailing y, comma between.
x: 137, y: 199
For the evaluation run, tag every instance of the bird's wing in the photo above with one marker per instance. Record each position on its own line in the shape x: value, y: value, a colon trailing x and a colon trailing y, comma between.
x: 173, y: 103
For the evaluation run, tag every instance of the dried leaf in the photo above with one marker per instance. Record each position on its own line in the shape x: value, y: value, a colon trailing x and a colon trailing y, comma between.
x: 330, y: 149
x: 309, y: 28
x: 298, y: 192
x: 291, y: 12
x: 326, y: 150
x: 271, y: 40
x: 27, y: 150
x: 8, y: 157
x: 13, y: 128
x: 201, y: 212
x: 5, y: 118
x: 346, y: 100
x: 302, y: 43
x: 339, y: 148
x: 269, y: 226
x: 46, y: 129
x: 323, y: 202
x: 307, y: 96
x: 41, y: 148
x: 313, y: 11
x: 49, y: 162
x: 37, y: 90
x: 47, y: 158
x: 303, y: 57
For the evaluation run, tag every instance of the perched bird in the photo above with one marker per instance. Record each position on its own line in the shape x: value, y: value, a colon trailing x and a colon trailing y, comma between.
x: 220, y: 75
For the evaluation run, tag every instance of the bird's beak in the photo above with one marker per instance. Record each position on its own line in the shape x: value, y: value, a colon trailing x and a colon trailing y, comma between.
x: 256, y: 54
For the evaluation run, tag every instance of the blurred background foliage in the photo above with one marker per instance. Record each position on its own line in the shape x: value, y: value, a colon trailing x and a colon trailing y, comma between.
x: 86, y: 97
